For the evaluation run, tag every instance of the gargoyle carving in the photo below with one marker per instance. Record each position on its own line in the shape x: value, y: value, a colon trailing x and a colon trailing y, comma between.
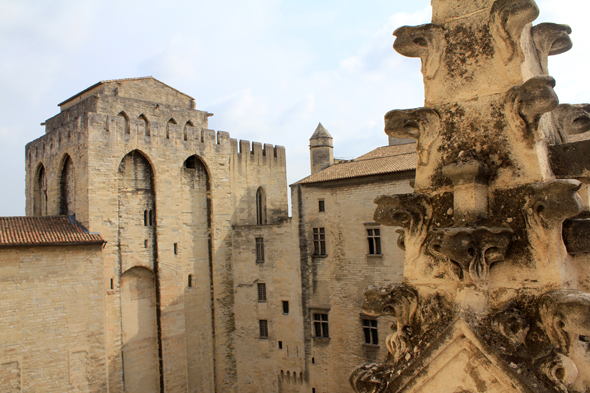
x: 412, y: 212
x: 422, y: 124
x: 414, y: 316
x: 572, y: 119
x: 508, y: 18
x: 549, y: 203
x: 470, y: 251
x: 525, y: 104
x: 551, y: 39
x: 426, y: 42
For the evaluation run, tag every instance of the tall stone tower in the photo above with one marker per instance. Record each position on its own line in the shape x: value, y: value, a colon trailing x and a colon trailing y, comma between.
x: 321, y: 150
x: 492, y: 299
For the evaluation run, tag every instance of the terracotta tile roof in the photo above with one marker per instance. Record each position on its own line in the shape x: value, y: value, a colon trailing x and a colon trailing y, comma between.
x: 387, y: 159
x: 41, y: 231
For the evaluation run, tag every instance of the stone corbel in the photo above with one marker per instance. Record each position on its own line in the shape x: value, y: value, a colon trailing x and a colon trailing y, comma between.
x: 551, y: 39
x: 525, y: 104
x: 508, y: 18
x: 422, y: 124
x: 412, y: 212
x: 426, y: 42
x: 546, y: 206
x: 572, y: 119
x: 470, y: 252
x: 470, y: 184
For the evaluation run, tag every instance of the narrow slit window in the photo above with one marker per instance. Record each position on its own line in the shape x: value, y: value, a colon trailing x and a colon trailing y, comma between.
x: 175, y: 248
x: 261, y: 292
x: 280, y: 345
x: 285, y: 307
x: 112, y: 284
x: 190, y: 280
x: 151, y: 218
x: 145, y: 218
x: 259, y: 250
x: 145, y: 243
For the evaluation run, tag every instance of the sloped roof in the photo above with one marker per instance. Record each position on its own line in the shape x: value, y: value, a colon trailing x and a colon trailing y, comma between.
x: 120, y: 80
x: 387, y: 159
x: 320, y: 132
x: 42, y: 231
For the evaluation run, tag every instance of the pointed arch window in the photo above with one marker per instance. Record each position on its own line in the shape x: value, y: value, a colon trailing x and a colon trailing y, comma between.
x: 260, y: 206
x: 67, y: 187
x: 146, y: 124
x: 170, y: 122
x: 125, y: 121
x: 40, y: 193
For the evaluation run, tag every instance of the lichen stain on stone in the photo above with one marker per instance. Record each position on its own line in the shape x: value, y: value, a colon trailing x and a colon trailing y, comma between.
x: 466, y: 46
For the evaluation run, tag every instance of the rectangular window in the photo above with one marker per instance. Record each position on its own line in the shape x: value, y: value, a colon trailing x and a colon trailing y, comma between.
x: 259, y: 250
x: 320, y: 325
x: 175, y: 248
x: 322, y: 205
x: 370, y: 331
x: 263, y: 325
x: 285, y: 307
x: 145, y: 218
x: 374, y: 238
x: 261, y: 292
x: 319, y: 241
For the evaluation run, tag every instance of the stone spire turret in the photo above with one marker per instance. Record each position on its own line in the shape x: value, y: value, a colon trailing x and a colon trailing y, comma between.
x: 320, y: 149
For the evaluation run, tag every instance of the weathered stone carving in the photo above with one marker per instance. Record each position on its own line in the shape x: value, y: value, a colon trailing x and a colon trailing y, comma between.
x: 525, y: 104
x: 412, y: 212
x: 470, y: 180
x: 426, y: 42
x: 565, y: 316
x: 422, y: 124
x: 470, y: 252
x: 572, y: 119
x: 414, y: 317
x: 551, y: 39
x: 508, y: 18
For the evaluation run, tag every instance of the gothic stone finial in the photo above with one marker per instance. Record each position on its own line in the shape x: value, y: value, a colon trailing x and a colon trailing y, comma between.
x: 426, y: 42
x: 508, y: 18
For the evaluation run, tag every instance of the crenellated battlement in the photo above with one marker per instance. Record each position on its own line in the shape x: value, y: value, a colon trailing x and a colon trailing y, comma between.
x: 258, y: 152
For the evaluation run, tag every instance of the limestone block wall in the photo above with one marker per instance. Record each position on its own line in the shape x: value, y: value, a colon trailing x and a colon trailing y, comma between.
x: 255, y: 166
x: 333, y: 284
x: 264, y: 362
x: 52, y: 319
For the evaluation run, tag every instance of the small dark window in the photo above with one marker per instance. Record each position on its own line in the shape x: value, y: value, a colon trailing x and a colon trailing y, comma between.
x: 322, y: 205
x: 263, y: 326
x: 259, y: 250
x: 145, y: 243
x: 319, y: 241
x: 151, y: 218
x: 175, y: 248
x: 112, y: 284
x: 261, y: 292
x: 190, y: 280
x: 285, y: 307
x: 374, y: 238
x: 320, y: 325
x: 312, y: 390
x: 145, y: 218
x: 312, y: 360
x: 370, y: 331
x: 280, y: 345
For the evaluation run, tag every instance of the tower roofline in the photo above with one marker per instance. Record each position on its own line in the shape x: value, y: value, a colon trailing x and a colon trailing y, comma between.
x: 320, y: 132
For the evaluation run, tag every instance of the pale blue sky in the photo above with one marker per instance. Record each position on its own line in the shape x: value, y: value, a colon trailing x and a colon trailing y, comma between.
x: 270, y: 70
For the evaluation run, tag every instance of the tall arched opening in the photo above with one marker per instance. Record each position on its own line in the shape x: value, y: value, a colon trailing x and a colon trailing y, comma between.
x: 138, y: 250
x: 67, y: 187
x: 40, y: 192
x: 199, y: 315
x: 260, y: 206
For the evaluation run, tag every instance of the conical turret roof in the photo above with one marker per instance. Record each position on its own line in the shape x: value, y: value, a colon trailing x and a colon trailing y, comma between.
x: 320, y: 132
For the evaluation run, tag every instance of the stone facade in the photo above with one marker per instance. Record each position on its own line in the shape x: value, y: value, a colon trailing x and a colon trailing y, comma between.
x: 205, y: 283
